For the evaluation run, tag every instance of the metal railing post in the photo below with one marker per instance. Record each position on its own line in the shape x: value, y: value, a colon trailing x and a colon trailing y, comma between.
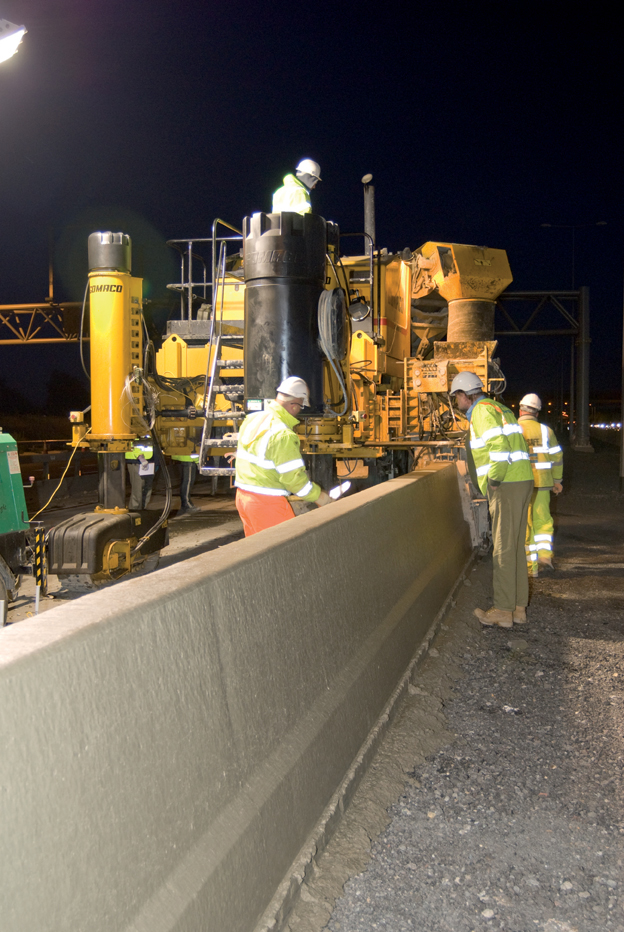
x: 581, y: 442
x: 41, y: 575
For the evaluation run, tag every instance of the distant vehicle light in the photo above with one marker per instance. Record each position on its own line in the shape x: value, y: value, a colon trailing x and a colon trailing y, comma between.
x: 10, y: 38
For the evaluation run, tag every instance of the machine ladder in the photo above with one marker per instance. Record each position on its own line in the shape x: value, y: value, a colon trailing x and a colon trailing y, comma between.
x: 213, y: 435
x: 209, y: 440
x: 213, y: 385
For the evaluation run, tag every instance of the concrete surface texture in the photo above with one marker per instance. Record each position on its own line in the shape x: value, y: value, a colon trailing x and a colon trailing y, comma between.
x: 498, y: 790
x: 170, y: 743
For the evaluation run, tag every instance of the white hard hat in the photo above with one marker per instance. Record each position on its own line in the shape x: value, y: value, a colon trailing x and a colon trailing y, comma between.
x: 531, y: 401
x: 308, y: 167
x: 296, y: 388
x: 466, y: 382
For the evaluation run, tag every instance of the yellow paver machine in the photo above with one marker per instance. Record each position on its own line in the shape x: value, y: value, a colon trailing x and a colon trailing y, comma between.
x: 378, y: 337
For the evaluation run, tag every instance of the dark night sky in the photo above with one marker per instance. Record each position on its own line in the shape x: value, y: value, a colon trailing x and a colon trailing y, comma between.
x: 479, y: 122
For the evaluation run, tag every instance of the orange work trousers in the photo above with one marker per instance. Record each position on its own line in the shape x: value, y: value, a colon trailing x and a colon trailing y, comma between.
x: 259, y: 512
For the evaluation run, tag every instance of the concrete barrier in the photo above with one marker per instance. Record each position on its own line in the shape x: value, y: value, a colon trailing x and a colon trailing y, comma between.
x: 169, y: 744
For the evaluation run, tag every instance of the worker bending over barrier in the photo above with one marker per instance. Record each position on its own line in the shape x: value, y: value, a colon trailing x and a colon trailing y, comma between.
x: 547, y: 465
x: 499, y: 460
x: 269, y: 466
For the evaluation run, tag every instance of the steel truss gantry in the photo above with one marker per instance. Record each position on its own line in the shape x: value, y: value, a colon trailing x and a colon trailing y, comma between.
x: 519, y: 310
x: 46, y: 322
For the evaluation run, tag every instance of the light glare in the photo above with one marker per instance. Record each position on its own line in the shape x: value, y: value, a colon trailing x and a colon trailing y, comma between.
x: 10, y: 38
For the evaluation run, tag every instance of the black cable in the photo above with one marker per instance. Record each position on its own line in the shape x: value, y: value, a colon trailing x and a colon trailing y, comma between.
x: 165, y: 383
x: 168, y: 494
x: 84, y: 304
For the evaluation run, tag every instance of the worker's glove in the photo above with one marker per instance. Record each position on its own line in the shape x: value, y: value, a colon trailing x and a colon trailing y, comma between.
x: 557, y: 488
x: 493, y: 484
x: 323, y: 499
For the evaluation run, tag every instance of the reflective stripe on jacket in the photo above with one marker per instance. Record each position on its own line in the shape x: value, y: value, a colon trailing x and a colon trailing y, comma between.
x: 546, y: 454
x: 140, y: 448
x: 268, y: 456
x: 497, y: 445
x: 293, y: 196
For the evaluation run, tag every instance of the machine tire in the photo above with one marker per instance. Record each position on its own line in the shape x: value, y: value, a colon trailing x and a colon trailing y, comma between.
x: 4, y: 604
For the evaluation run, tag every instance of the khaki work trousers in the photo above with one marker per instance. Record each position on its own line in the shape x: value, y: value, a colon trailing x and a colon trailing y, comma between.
x: 509, y: 506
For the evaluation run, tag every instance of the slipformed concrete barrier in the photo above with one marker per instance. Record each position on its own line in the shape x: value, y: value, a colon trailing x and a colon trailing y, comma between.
x: 169, y: 744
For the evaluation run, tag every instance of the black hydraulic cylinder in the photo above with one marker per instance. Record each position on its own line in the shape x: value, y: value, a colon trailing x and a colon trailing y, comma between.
x: 112, y: 480
x: 284, y: 262
x: 110, y: 251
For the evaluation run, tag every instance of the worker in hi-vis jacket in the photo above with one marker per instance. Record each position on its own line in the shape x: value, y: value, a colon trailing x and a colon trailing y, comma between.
x: 269, y: 466
x: 294, y: 195
x: 547, y: 465
x: 499, y: 461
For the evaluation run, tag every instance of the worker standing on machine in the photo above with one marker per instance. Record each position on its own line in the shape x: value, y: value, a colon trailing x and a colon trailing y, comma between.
x: 294, y: 195
x: 547, y: 465
x: 500, y: 459
x: 269, y: 466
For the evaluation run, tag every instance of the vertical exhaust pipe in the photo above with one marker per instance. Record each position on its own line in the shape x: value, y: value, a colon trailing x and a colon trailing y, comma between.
x: 369, y: 228
x: 369, y: 207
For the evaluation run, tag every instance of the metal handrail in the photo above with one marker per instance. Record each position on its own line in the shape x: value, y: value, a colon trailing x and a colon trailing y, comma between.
x: 185, y: 247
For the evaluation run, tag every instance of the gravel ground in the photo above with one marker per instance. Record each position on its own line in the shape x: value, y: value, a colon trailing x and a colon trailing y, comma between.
x: 513, y: 817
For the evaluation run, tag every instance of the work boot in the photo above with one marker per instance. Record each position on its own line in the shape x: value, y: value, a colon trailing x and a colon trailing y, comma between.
x: 545, y: 564
x: 519, y: 615
x: 496, y: 617
x: 188, y: 510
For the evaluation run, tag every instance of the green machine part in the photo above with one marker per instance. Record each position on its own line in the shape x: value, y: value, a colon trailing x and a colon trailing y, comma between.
x: 13, y: 512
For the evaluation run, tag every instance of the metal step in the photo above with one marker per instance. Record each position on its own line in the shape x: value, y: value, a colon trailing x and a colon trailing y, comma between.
x: 216, y: 471
x: 230, y: 363
x: 231, y: 444
x: 233, y: 389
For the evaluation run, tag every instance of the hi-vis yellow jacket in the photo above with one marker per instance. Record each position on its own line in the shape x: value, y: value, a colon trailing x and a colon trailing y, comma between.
x: 268, y: 457
x: 293, y: 196
x: 546, y: 454
x: 141, y: 447
x: 497, y: 444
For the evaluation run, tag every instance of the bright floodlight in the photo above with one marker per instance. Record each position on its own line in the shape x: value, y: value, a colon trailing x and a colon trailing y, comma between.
x: 10, y: 37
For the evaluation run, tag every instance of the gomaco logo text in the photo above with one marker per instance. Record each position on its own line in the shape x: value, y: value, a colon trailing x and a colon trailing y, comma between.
x: 105, y: 288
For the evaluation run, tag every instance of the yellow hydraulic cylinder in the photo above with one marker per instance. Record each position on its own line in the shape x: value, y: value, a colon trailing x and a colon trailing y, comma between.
x: 110, y: 295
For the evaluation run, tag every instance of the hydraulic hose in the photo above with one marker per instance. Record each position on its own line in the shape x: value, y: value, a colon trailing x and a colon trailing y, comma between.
x: 328, y: 341
x: 168, y: 494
